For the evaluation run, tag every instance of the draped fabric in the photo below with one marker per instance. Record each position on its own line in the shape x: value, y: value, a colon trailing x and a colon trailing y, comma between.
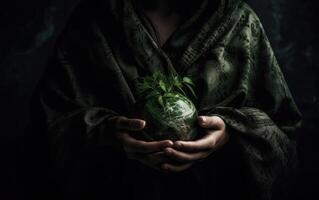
x: 107, y: 45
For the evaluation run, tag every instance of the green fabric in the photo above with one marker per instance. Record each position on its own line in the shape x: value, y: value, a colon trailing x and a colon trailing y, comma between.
x: 224, y: 49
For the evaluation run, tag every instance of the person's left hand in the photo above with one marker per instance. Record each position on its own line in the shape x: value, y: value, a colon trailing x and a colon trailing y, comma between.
x: 186, y: 153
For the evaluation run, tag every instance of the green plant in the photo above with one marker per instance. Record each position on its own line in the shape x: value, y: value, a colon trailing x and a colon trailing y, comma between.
x: 160, y: 86
x: 169, y: 113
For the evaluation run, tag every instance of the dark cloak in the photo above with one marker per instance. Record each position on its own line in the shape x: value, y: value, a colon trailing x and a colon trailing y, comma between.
x: 107, y: 45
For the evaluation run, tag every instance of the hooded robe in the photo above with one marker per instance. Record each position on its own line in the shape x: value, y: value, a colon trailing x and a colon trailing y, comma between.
x: 107, y: 45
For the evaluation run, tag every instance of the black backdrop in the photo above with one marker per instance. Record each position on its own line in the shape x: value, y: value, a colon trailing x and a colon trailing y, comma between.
x: 28, y: 30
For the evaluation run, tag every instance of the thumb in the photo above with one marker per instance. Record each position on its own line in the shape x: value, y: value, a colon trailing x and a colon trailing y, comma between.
x: 211, y: 122
x: 123, y: 123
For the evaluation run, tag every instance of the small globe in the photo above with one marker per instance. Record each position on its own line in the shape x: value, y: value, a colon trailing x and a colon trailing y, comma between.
x: 174, y: 120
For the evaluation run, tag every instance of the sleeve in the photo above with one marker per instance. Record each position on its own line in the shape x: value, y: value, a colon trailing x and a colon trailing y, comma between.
x: 265, y: 123
x: 75, y: 122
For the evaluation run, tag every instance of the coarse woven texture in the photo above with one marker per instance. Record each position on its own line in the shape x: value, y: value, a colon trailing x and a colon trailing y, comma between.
x: 225, y: 50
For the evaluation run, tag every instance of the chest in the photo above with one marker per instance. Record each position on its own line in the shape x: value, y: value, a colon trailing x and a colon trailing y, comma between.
x: 163, y: 25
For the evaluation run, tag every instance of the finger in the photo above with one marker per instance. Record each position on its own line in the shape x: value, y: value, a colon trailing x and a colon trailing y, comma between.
x: 211, y: 122
x: 186, y: 157
x: 176, y: 168
x: 210, y: 141
x: 127, y: 142
x: 123, y: 123
x: 138, y: 146
x: 150, y: 147
x: 155, y: 167
x: 153, y: 159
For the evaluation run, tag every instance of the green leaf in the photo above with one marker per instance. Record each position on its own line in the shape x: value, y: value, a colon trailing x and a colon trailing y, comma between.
x: 188, y: 81
x: 151, y: 95
x: 170, y: 95
x: 181, y: 90
x: 162, y: 85
x: 161, y: 101
x: 159, y: 84
x: 191, y: 90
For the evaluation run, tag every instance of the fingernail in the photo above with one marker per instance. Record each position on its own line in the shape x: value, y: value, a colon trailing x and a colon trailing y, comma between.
x: 202, y: 120
x: 169, y: 143
x: 142, y: 124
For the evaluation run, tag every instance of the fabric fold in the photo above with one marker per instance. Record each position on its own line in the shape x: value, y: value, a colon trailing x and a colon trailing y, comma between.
x: 226, y: 52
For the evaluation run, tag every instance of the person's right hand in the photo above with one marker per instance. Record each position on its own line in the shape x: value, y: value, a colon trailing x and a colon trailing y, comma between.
x: 149, y: 153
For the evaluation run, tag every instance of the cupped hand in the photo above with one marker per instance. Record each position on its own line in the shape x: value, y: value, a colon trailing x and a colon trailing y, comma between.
x: 149, y: 153
x: 186, y: 153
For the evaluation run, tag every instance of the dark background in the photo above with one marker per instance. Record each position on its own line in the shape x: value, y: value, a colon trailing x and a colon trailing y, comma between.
x: 28, y: 30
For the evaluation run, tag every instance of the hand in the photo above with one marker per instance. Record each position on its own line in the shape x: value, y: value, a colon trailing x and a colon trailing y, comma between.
x: 186, y: 153
x: 149, y: 153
